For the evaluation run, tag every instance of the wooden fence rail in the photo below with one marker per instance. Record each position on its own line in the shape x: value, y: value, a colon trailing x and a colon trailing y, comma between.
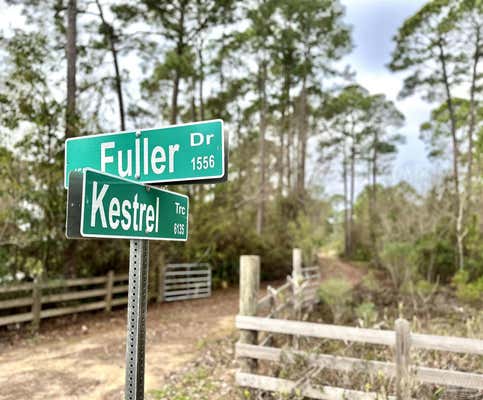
x: 401, y: 339
x: 174, y: 282
x: 372, y: 336
x: 102, y: 292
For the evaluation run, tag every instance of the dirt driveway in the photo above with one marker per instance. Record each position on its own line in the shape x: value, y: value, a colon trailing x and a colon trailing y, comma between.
x: 85, y: 359
x: 82, y: 358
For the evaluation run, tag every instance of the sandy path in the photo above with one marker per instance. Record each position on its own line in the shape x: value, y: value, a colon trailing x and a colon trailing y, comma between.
x: 335, y: 268
x: 65, y: 363
x: 71, y: 363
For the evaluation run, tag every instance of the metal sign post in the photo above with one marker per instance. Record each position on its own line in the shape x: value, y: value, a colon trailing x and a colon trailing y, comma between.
x: 136, y: 318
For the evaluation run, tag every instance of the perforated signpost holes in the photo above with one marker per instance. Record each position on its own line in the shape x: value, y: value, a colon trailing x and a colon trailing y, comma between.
x: 108, y: 197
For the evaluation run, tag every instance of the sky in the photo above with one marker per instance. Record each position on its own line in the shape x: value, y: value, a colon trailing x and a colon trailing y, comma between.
x: 374, y: 24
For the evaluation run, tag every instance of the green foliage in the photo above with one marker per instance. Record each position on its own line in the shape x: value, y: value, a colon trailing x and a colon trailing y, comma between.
x: 367, y: 314
x: 311, y: 230
x: 428, y: 47
x: 467, y: 291
x: 363, y: 131
x: 228, y: 237
x: 198, y: 382
x: 435, y: 256
x: 33, y: 186
x: 424, y: 287
x: 417, y: 42
x: 474, y: 246
x: 370, y: 281
x: 337, y: 294
x: 398, y: 259
x: 211, y: 59
x: 436, y: 132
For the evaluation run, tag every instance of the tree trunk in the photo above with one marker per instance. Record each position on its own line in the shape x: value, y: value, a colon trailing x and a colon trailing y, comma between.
x: 284, y: 152
x: 472, y: 123
x: 71, y: 53
x: 302, y: 145
x: 288, y: 157
x: 193, y: 99
x: 263, y: 126
x: 373, y: 203
x: 71, y: 130
x: 459, y: 206
x: 281, y: 154
x: 177, y: 73
x: 122, y: 117
x: 352, y: 194
x: 201, y: 82
x: 117, y: 76
x: 174, y: 99
x: 347, y: 237
x: 221, y: 73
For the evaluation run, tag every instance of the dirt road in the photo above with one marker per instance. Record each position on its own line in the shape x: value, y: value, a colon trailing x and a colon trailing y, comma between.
x: 331, y: 267
x: 86, y: 360
x: 83, y: 358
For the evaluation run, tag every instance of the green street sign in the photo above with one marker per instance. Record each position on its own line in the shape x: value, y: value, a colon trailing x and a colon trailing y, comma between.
x: 184, y: 153
x: 101, y: 205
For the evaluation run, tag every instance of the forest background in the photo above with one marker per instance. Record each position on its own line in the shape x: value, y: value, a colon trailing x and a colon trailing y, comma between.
x: 311, y: 149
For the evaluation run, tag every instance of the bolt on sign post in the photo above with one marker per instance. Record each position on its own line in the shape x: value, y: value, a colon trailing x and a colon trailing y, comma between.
x: 107, y: 198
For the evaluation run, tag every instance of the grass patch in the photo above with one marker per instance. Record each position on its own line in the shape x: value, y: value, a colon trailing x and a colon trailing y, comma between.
x: 194, y: 385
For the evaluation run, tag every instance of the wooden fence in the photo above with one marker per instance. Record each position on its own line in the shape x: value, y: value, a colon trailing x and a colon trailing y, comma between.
x: 89, y: 294
x: 62, y: 297
x: 289, y: 300
x: 33, y: 301
x: 187, y: 281
x: 250, y: 349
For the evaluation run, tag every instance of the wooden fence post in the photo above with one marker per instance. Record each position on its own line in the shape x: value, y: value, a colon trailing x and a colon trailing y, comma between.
x: 109, y: 286
x: 297, y: 264
x: 273, y: 314
x: 403, y: 346
x: 36, y: 304
x: 249, y: 285
x: 297, y: 278
x: 160, y: 280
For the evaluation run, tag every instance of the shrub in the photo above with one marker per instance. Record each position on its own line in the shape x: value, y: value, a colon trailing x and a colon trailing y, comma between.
x: 370, y: 282
x: 468, y: 292
x: 336, y: 293
x: 367, y: 314
x: 423, y: 287
x: 398, y: 259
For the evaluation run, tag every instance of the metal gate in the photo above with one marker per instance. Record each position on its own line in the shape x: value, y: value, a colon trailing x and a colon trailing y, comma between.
x: 187, y: 281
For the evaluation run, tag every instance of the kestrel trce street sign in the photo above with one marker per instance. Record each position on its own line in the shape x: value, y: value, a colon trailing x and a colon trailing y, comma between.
x: 100, y: 205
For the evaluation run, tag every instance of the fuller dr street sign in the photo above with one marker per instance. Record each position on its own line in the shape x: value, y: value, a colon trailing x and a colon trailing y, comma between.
x: 105, y: 206
x: 185, y: 153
